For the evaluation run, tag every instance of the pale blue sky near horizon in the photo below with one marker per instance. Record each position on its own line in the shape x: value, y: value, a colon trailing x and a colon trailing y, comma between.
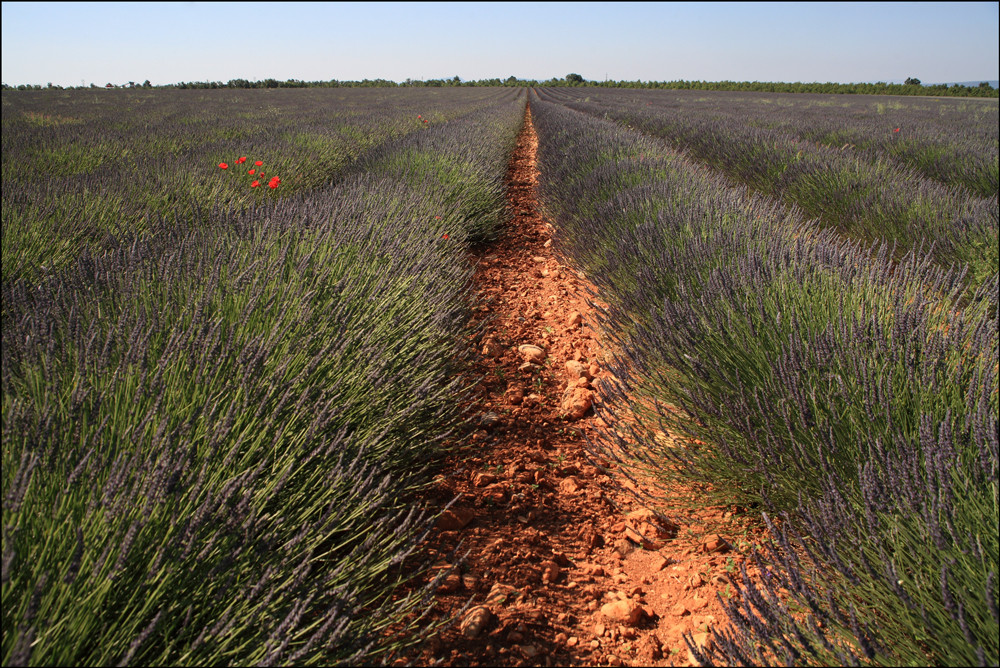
x: 72, y: 43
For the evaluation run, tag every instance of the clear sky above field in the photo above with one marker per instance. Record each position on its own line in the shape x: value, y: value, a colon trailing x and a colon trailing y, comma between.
x: 70, y: 43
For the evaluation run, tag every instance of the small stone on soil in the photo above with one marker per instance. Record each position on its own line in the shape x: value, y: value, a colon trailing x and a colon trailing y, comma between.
x: 715, y: 543
x: 623, y: 547
x: 451, y: 583
x: 576, y: 402
x: 514, y: 395
x: 569, y: 485
x: 659, y: 562
x: 532, y: 354
x: 475, y: 620
x: 624, y: 612
x: 551, y: 571
x: 577, y: 370
x: 454, y: 519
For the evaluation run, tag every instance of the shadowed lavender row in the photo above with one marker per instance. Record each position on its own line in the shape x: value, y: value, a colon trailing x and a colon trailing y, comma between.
x: 851, y: 393
x: 211, y: 429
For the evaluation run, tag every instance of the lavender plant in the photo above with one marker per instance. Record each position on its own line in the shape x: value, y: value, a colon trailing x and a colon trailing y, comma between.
x: 467, y: 158
x: 866, y: 194
x: 954, y: 142
x: 212, y: 429
x: 83, y: 168
x: 791, y: 370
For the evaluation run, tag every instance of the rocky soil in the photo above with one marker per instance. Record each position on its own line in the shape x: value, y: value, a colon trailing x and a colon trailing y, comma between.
x: 563, y: 566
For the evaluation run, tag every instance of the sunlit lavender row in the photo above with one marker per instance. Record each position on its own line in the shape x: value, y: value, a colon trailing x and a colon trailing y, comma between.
x: 952, y: 141
x: 87, y: 168
x: 894, y: 176
x: 212, y: 424
x: 850, y: 392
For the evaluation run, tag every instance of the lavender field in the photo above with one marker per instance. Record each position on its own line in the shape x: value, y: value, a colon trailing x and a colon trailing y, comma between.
x: 845, y: 385
x: 219, y: 398
x: 235, y: 341
x: 916, y: 172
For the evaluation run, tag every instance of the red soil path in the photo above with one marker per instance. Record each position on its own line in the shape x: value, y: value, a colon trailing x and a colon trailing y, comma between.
x: 550, y: 538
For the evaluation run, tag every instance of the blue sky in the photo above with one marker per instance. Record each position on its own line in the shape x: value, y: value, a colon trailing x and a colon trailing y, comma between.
x: 70, y: 43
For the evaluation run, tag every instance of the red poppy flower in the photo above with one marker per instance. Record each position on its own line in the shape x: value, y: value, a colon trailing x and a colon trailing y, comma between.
x: 437, y: 217
x: 274, y: 182
x: 896, y: 130
x: 255, y: 184
x: 259, y: 163
x: 419, y: 116
x: 251, y: 171
x: 223, y: 165
x: 444, y: 236
x: 241, y: 160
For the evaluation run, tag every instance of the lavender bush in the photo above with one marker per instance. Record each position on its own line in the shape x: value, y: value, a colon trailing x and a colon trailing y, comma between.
x: 954, y: 142
x: 212, y: 426
x: 865, y: 193
x: 819, y: 379
x: 83, y: 168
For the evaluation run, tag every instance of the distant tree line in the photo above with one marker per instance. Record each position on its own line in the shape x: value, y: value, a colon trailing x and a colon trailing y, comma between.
x: 911, y: 87
x: 984, y: 89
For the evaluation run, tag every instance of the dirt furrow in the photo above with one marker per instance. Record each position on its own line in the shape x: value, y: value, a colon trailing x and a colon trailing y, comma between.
x: 562, y: 568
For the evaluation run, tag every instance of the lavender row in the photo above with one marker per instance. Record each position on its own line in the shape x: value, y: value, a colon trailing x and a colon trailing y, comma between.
x: 792, y: 371
x: 865, y: 195
x: 211, y: 431
x: 954, y: 142
x: 82, y: 168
